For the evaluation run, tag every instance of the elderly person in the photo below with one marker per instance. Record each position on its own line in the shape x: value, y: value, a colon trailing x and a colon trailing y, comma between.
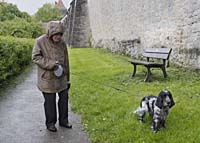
x: 51, y: 57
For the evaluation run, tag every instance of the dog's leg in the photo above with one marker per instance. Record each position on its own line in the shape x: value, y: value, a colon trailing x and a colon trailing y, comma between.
x: 164, y: 117
x: 156, y: 121
x: 155, y: 125
x: 140, y: 112
x: 141, y: 118
x: 162, y: 124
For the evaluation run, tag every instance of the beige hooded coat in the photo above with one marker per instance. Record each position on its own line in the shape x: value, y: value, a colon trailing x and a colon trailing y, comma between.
x: 46, y: 54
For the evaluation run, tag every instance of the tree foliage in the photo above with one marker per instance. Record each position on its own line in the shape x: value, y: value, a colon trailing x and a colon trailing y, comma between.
x: 48, y: 12
x: 9, y: 11
x: 15, y: 23
x: 20, y: 28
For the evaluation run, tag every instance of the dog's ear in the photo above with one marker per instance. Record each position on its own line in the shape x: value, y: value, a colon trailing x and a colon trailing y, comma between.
x: 159, y: 102
x: 171, y: 98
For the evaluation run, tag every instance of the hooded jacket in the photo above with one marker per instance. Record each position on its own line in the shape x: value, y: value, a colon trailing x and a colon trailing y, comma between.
x: 46, y: 54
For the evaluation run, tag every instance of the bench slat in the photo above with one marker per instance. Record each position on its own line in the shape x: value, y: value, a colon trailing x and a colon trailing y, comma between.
x: 158, y: 50
x: 156, y: 55
x: 138, y: 62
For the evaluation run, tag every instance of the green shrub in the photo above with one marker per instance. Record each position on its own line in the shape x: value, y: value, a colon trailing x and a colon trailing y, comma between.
x: 9, y: 11
x: 15, y: 54
x: 47, y: 13
x: 19, y: 24
x: 20, y: 28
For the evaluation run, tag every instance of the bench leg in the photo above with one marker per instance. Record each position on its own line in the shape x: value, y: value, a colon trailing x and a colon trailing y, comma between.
x: 147, y: 79
x: 134, y: 70
x: 164, y: 71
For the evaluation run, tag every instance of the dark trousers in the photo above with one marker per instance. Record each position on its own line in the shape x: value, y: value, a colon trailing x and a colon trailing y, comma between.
x: 50, y: 107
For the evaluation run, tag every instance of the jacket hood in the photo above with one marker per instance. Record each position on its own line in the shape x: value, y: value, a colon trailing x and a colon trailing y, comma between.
x: 54, y: 27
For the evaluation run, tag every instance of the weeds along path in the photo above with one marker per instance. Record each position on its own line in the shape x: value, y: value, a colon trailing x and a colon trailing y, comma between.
x: 22, y: 116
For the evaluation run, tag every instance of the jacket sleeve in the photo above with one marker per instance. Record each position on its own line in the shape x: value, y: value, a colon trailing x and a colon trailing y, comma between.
x: 39, y: 59
x: 67, y: 63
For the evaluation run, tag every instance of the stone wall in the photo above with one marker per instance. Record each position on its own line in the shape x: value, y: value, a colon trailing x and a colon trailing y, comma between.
x: 128, y: 26
x: 77, y: 25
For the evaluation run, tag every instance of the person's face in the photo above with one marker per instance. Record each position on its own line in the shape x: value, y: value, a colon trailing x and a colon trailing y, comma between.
x: 57, y: 37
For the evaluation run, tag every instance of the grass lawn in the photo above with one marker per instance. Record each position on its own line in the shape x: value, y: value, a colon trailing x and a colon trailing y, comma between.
x: 104, y: 94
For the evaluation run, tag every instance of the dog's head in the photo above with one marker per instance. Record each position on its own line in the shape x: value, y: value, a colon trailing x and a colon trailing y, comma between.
x: 165, y: 99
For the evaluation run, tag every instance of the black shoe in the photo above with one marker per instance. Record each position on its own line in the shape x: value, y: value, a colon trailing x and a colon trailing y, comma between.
x: 52, y: 128
x: 66, y: 125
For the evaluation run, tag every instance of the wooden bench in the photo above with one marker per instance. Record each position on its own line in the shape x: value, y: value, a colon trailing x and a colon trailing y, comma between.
x: 160, y: 54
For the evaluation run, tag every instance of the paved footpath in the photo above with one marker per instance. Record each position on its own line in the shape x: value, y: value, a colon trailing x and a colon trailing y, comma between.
x: 22, y: 117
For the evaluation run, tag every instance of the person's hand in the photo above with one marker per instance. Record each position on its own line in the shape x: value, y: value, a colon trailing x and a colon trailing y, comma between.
x: 68, y: 85
x: 56, y: 66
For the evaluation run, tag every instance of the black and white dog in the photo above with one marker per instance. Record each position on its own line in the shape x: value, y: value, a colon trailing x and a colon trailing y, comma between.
x: 158, y: 107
